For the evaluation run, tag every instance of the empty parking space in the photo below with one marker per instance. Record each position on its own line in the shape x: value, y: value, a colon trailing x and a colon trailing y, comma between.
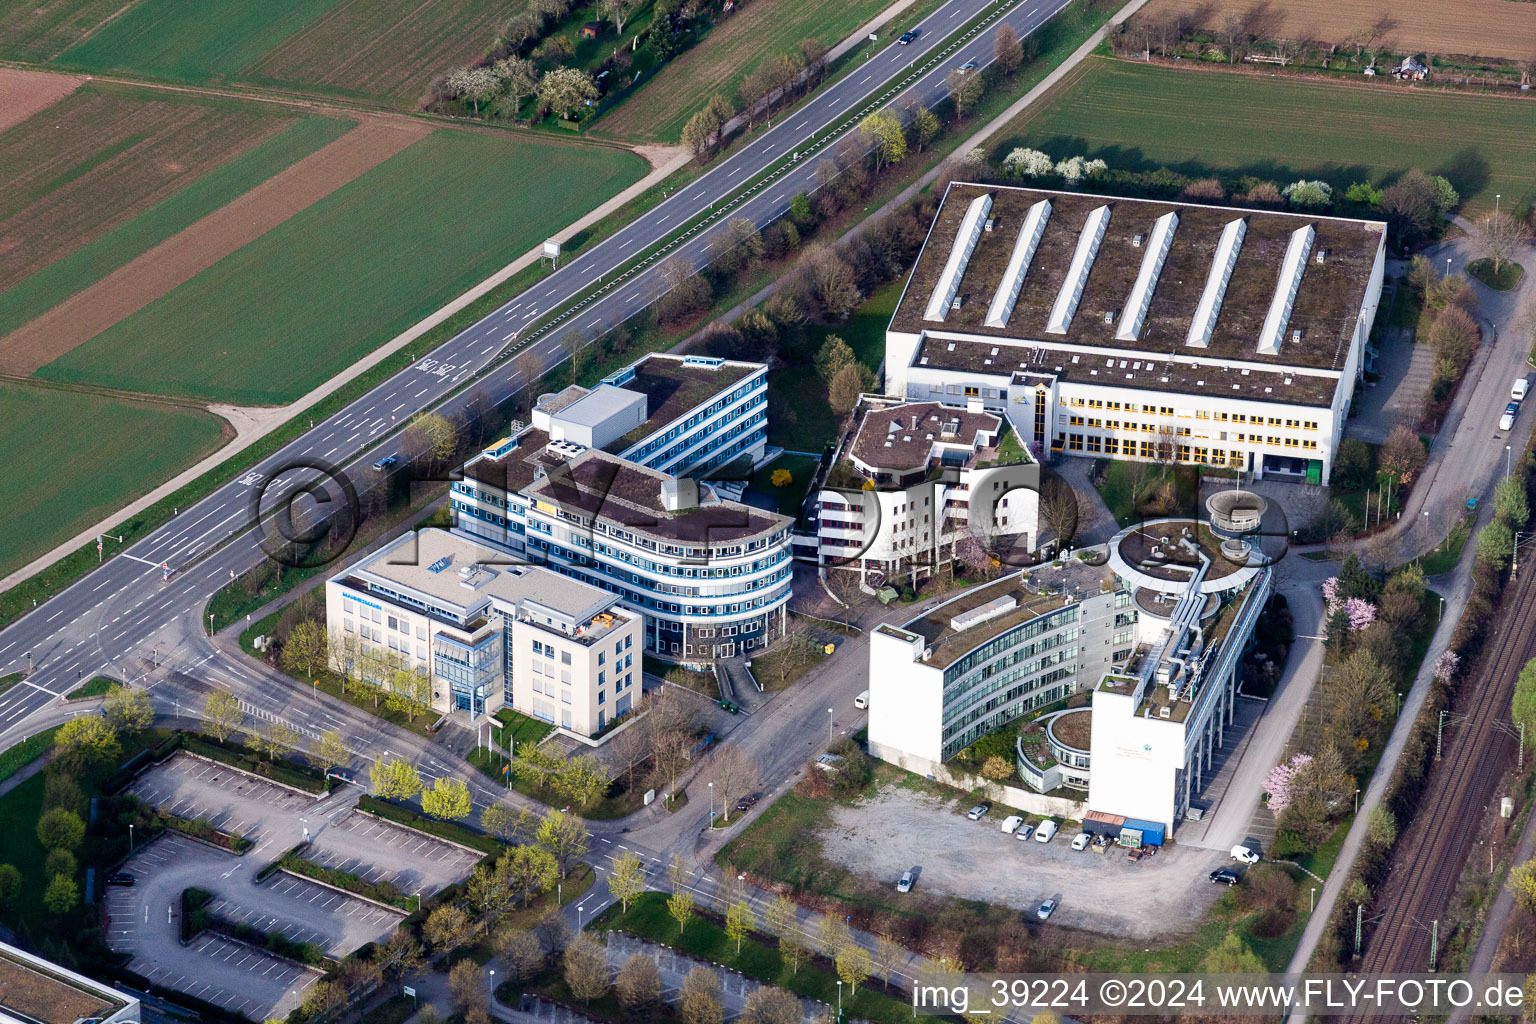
x: 381, y: 851
x: 232, y: 975
x: 233, y: 801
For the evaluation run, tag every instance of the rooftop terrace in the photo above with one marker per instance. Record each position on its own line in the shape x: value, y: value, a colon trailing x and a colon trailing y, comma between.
x: 901, y: 438
x: 1326, y: 306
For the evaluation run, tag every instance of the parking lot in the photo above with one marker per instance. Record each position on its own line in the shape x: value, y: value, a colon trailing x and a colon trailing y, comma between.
x: 275, y: 819
x: 143, y: 919
x: 901, y: 830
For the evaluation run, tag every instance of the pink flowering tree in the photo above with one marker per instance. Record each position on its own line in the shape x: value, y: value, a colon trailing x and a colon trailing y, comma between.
x: 1361, y: 613
x: 1445, y: 668
x: 1280, y: 779
x: 1331, y: 593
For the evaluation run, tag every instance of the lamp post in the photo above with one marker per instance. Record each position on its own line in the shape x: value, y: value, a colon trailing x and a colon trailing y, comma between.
x: 829, y: 726
x: 130, y: 839
x: 839, y: 999
x: 493, y: 985
x: 711, y: 803
x: 1506, y: 462
x: 1447, y: 266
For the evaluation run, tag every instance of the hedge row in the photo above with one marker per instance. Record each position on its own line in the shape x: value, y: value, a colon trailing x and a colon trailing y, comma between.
x: 289, y: 773
x: 380, y: 892
x: 451, y: 831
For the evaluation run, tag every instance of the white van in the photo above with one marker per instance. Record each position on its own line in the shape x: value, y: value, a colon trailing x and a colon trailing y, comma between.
x: 1046, y: 831
x: 861, y: 701
x: 1011, y: 824
x: 1518, y: 391
x: 1245, y: 855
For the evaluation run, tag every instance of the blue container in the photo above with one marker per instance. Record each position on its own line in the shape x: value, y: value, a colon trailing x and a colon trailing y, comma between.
x: 1151, y: 831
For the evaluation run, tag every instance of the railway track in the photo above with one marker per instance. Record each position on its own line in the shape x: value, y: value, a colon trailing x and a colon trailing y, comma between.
x: 1477, y: 752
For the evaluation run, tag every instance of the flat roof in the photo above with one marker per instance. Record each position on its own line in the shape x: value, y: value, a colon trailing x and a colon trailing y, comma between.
x: 1026, y: 362
x: 598, y: 405
x: 1325, y: 308
x: 598, y: 485
x: 518, y: 467
x: 672, y: 386
x: 31, y: 989
x: 901, y: 438
x: 433, y: 562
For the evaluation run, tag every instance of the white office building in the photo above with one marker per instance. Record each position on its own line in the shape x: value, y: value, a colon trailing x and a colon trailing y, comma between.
x: 916, y: 477
x: 439, y: 611
x: 1154, y: 638
x: 710, y: 576
x: 1122, y: 328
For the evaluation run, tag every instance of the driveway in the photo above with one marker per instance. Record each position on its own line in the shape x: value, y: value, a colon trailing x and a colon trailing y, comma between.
x: 900, y: 829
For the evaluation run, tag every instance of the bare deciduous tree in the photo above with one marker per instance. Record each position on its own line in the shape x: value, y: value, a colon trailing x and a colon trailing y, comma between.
x: 733, y: 772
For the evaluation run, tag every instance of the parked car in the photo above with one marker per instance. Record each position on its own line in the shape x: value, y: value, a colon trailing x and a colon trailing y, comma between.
x: 1225, y: 876
x: 1011, y: 824
x: 908, y: 36
x: 1245, y: 854
x: 1507, y: 421
x: 1024, y: 832
x: 979, y: 811
x: 861, y: 701
x: 1081, y: 840
x: 904, y: 884
x: 1045, y: 831
x: 748, y: 800
x: 969, y: 65
x: 1046, y: 910
x: 120, y: 878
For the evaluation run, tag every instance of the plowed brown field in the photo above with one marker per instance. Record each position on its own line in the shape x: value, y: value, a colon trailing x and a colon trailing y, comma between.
x: 133, y: 286
x: 1487, y: 28
x: 87, y: 163
x: 24, y: 93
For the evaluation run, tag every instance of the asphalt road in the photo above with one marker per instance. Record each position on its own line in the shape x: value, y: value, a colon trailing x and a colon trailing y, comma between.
x: 108, y: 622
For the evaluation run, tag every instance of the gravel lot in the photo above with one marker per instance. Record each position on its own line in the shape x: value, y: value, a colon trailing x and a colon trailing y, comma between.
x: 900, y: 829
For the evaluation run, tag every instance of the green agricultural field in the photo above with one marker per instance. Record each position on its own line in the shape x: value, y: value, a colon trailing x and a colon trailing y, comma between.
x: 192, y: 40
x: 1139, y: 116
x: 88, y: 264
x: 718, y: 63
x: 74, y: 457
x: 307, y: 299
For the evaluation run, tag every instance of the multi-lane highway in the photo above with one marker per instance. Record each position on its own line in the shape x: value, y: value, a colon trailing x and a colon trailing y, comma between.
x: 115, y: 620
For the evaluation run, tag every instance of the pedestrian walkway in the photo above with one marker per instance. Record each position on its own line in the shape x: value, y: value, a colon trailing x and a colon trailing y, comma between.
x: 674, y: 967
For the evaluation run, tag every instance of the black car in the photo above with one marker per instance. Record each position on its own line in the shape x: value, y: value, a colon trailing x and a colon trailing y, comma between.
x: 907, y: 37
x: 1225, y: 876
x: 121, y: 878
x: 748, y: 800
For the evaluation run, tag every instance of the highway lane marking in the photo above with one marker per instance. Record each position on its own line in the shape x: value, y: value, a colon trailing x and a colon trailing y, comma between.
x: 331, y: 452
x: 423, y: 390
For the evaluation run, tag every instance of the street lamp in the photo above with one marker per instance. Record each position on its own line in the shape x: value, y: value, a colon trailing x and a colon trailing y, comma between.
x: 711, y: 803
x: 1506, y: 462
x: 829, y: 725
x: 130, y: 839
x: 493, y: 985
x: 839, y: 998
x: 1447, y: 266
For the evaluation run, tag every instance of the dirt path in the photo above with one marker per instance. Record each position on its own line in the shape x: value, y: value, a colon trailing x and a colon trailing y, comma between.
x: 24, y: 93
x: 154, y: 273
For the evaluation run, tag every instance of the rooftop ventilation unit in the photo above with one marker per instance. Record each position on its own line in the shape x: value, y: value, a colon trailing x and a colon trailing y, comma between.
x: 959, y: 255
x: 1209, y: 307
x: 441, y: 564
x: 1077, y: 274
x: 1018, y: 264
x: 1291, y: 271
x: 976, y: 616
x: 1146, y: 278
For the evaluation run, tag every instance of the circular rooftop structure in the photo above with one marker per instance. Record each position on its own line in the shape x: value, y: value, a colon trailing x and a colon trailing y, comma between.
x: 1236, y: 512
x: 1165, y: 555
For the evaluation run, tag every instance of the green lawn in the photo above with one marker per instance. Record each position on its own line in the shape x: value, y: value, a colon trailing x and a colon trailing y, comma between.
x: 1147, y: 480
x: 91, y: 262
x: 19, y: 755
x: 307, y: 299
x: 758, y: 959
x: 730, y: 52
x: 92, y: 688
x: 1504, y: 279
x: 519, y: 729
x: 75, y: 458
x: 799, y: 389
x: 788, y: 498
x: 1139, y: 116
x: 1444, y: 556
x: 192, y: 40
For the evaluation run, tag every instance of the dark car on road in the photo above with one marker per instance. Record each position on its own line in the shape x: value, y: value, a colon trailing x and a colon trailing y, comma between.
x: 748, y: 800
x: 907, y: 37
x: 1225, y: 876
x: 121, y: 878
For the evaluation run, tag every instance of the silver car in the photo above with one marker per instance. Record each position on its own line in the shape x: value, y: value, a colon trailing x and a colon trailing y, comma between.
x: 1046, y: 910
x: 904, y: 884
